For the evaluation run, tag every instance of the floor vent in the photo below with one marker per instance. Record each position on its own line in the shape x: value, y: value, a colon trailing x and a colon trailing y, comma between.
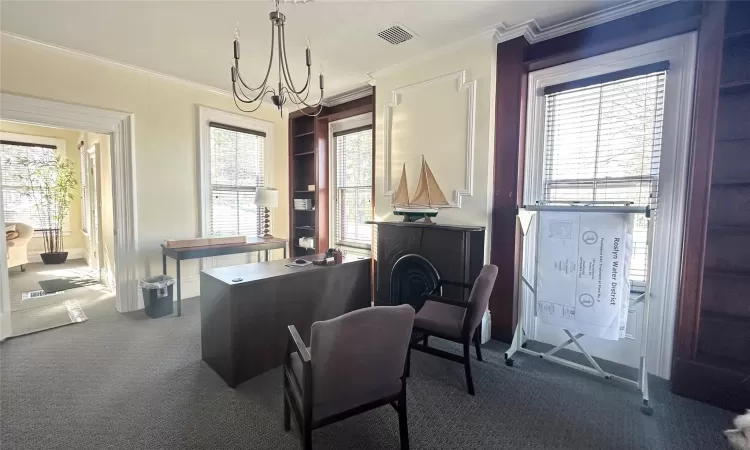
x: 396, y: 34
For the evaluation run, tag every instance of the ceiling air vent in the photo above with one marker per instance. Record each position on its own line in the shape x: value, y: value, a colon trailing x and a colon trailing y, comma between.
x: 396, y: 34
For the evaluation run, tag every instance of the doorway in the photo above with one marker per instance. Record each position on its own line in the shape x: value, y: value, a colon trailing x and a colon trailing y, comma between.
x: 55, y: 215
x: 118, y: 126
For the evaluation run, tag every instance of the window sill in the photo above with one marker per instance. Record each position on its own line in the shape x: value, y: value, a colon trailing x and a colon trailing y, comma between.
x: 359, y: 251
x: 39, y: 234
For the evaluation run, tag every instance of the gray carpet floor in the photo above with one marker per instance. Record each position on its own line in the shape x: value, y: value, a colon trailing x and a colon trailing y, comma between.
x: 123, y: 381
x: 50, y: 311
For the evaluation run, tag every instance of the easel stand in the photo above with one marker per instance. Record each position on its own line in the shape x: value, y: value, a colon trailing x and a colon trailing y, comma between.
x: 526, y: 217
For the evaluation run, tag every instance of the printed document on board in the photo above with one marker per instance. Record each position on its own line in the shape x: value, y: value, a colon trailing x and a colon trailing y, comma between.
x: 583, y: 282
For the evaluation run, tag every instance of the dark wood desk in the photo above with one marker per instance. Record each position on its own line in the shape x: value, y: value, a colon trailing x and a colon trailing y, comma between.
x: 208, y: 251
x: 244, y: 323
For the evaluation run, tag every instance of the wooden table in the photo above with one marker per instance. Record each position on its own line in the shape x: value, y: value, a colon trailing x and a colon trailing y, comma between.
x: 208, y: 251
x: 244, y: 323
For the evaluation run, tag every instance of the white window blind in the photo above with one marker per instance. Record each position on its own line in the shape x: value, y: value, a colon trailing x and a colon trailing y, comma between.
x: 603, y: 143
x: 17, y: 206
x: 353, y: 187
x: 84, y: 191
x: 237, y: 169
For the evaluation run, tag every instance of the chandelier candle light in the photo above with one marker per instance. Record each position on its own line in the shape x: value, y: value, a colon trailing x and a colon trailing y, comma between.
x: 285, y: 89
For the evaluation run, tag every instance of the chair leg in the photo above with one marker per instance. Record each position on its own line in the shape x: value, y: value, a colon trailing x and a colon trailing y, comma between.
x: 478, y: 345
x: 307, y: 437
x: 403, y: 428
x: 23, y: 269
x: 467, y: 368
x: 408, y: 362
x: 287, y: 415
x: 425, y: 340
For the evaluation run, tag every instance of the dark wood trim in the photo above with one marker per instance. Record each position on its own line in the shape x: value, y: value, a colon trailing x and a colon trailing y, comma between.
x: 607, y: 77
x: 322, y: 192
x: 352, y: 130
x: 28, y: 144
x: 510, y: 110
x: 224, y: 126
x: 657, y: 23
x: 705, y: 108
x: 373, y: 235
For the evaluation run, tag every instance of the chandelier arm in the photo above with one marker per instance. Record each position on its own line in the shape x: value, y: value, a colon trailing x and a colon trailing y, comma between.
x: 294, y: 95
x: 303, y: 101
x: 259, y: 104
x: 268, y: 71
x: 247, y: 100
x: 284, y: 62
x: 244, y: 98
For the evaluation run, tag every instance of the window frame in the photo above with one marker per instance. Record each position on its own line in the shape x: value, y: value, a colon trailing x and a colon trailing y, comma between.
x: 338, y: 127
x: 680, y: 51
x: 41, y: 140
x: 205, y: 117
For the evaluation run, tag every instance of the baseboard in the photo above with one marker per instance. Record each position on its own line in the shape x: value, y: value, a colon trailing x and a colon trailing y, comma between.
x: 73, y: 253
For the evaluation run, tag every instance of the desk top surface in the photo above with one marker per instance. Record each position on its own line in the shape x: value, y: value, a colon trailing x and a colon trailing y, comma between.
x: 251, y: 242
x: 254, y: 272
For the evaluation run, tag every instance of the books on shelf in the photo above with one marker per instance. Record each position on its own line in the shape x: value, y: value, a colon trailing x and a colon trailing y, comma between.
x: 303, y: 204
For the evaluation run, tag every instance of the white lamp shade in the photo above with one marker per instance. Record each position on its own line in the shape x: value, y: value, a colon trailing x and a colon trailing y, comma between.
x: 267, y: 197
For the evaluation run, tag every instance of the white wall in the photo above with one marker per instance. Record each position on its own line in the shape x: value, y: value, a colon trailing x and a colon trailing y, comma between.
x: 426, y: 108
x: 165, y: 121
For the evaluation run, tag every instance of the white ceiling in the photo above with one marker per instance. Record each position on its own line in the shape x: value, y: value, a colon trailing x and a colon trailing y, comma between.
x: 192, y: 40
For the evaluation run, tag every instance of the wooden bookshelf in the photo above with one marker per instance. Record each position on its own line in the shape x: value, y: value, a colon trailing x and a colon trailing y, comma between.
x: 308, y: 166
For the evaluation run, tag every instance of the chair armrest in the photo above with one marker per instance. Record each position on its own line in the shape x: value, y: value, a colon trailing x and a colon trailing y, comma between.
x: 296, y: 344
x: 442, y: 283
x: 447, y: 301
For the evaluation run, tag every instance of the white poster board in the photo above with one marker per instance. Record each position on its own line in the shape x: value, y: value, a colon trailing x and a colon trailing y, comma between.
x: 583, y: 269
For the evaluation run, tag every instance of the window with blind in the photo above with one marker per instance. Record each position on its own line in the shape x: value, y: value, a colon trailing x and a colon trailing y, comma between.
x: 84, y: 191
x: 353, y: 178
x: 602, y: 143
x: 17, y: 206
x: 237, y: 169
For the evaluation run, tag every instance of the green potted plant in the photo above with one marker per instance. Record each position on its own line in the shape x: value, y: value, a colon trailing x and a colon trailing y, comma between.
x: 48, y: 181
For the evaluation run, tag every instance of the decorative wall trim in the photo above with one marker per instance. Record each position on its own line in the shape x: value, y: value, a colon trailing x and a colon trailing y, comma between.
x: 533, y: 32
x: 119, y: 126
x: 73, y: 253
x: 461, y: 84
x: 348, y: 96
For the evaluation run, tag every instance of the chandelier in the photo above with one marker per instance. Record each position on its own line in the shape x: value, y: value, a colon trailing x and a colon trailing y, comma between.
x: 252, y: 97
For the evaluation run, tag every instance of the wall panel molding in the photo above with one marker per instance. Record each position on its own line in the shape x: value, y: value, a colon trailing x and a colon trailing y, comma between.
x: 396, y: 99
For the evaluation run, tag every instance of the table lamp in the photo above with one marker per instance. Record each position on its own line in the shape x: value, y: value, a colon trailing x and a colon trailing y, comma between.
x: 266, y: 198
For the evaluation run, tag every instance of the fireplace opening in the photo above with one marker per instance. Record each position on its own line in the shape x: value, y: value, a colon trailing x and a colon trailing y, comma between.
x: 412, y: 276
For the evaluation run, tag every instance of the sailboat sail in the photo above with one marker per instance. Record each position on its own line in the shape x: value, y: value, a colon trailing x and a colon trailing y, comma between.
x: 401, y: 197
x: 428, y: 192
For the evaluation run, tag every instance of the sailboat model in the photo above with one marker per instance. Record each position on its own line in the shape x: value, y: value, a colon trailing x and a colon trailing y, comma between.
x: 427, y: 197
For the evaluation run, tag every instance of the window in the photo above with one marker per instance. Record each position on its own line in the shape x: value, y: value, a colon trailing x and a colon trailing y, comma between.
x: 353, y: 187
x: 84, y: 191
x: 17, y: 206
x: 237, y: 169
x: 602, y: 142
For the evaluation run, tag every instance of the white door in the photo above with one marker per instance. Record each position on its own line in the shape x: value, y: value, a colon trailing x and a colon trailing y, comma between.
x: 93, y: 200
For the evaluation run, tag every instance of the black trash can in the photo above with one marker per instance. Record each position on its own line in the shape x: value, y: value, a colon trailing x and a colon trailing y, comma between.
x: 157, y: 295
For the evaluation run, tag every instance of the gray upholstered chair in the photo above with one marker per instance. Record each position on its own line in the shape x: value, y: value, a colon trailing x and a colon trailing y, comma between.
x: 355, y: 363
x: 456, y: 320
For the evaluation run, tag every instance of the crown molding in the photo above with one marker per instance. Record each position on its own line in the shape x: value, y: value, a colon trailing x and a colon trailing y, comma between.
x: 535, y: 33
x: 345, y: 97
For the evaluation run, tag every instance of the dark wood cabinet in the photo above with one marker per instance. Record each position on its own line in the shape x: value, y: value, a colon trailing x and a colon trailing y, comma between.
x: 712, y: 338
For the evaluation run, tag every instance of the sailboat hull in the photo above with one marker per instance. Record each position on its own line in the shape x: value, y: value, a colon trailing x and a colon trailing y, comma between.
x: 414, y: 214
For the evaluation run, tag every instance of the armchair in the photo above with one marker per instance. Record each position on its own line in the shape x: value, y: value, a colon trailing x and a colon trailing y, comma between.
x: 455, y: 320
x: 355, y: 363
x: 17, y: 251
